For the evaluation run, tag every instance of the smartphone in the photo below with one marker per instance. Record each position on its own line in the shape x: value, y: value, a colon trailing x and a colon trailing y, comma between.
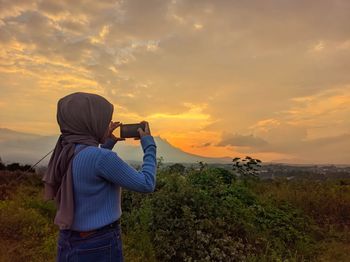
x: 130, y: 130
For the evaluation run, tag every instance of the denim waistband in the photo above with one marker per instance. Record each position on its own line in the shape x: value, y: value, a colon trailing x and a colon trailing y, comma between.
x: 75, y: 235
x: 111, y: 225
x: 69, y: 240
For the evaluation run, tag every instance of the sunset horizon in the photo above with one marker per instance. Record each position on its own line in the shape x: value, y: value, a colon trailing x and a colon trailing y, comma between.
x: 216, y: 79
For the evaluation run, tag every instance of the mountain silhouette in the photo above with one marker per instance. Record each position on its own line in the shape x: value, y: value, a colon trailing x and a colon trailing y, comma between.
x: 28, y: 148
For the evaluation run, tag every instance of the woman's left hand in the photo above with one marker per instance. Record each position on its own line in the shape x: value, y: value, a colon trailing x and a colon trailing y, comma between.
x: 112, y: 127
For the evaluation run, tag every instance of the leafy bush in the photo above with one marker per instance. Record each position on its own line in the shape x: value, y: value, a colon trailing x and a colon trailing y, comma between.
x: 209, y: 215
x: 195, y: 214
x: 327, y: 202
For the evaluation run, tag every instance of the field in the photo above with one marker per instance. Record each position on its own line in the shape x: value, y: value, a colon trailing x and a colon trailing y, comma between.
x: 195, y: 214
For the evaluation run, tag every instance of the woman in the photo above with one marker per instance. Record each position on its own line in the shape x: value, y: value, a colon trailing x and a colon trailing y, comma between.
x: 85, y: 180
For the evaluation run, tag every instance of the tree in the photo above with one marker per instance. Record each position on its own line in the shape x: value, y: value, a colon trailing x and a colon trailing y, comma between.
x: 247, y: 168
x: 202, y: 165
x: 18, y: 166
x: 13, y: 167
x: 2, y: 165
x: 160, y: 161
x: 177, y: 168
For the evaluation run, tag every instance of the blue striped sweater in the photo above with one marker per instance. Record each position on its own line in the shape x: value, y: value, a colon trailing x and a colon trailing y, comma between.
x: 99, y: 175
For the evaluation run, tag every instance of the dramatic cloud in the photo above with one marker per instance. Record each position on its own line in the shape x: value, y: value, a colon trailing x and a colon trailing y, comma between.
x: 241, y: 140
x: 300, y: 131
x: 234, y: 77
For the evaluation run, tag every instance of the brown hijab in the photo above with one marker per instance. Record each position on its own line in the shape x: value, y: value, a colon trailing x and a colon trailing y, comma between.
x: 83, y: 118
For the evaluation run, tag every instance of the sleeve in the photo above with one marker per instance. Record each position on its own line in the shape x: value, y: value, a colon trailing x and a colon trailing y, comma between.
x: 112, y: 168
x: 109, y: 143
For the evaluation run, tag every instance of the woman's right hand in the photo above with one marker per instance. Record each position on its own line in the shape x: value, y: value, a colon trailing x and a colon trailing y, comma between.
x: 146, y: 132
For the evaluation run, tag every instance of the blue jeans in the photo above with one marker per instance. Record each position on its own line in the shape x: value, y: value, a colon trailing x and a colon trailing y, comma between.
x: 102, y: 246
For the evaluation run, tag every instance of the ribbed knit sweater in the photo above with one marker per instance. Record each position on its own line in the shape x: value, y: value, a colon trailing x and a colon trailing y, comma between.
x: 99, y: 175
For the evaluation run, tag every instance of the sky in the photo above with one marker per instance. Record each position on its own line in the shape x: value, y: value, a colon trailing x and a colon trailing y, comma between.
x: 269, y: 79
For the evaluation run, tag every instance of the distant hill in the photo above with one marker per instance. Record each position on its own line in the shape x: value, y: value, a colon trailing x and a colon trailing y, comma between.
x: 29, y: 148
x: 9, y: 134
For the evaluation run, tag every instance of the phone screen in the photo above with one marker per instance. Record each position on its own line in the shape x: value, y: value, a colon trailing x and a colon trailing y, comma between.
x: 130, y: 130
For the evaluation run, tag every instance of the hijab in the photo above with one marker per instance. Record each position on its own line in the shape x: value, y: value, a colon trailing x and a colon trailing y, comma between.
x: 83, y: 118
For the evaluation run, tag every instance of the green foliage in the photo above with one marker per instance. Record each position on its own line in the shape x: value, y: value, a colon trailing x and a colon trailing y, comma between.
x: 327, y: 202
x: 202, y: 165
x: 247, y: 168
x: 138, y: 244
x: 177, y: 168
x: 26, y: 225
x: 160, y: 161
x: 195, y: 214
x: 16, y: 166
x: 210, y: 215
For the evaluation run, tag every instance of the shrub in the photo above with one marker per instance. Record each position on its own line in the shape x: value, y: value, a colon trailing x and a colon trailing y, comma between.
x: 209, y: 215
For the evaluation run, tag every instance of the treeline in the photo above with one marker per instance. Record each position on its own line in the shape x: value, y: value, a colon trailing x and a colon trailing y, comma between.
x: 16, y: 167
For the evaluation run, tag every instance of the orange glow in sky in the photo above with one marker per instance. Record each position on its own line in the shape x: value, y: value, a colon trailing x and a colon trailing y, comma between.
x: 269, y: 79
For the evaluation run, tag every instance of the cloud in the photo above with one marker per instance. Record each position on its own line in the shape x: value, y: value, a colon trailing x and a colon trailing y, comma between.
x: 243, y: 141
x: 315, y: 129
x: 246, y: 61
x: 330, y: 149
x: 207, y: 144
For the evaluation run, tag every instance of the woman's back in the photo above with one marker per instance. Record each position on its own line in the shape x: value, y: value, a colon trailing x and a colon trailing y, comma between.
x: 99, y: 174
x: 96, y: 200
